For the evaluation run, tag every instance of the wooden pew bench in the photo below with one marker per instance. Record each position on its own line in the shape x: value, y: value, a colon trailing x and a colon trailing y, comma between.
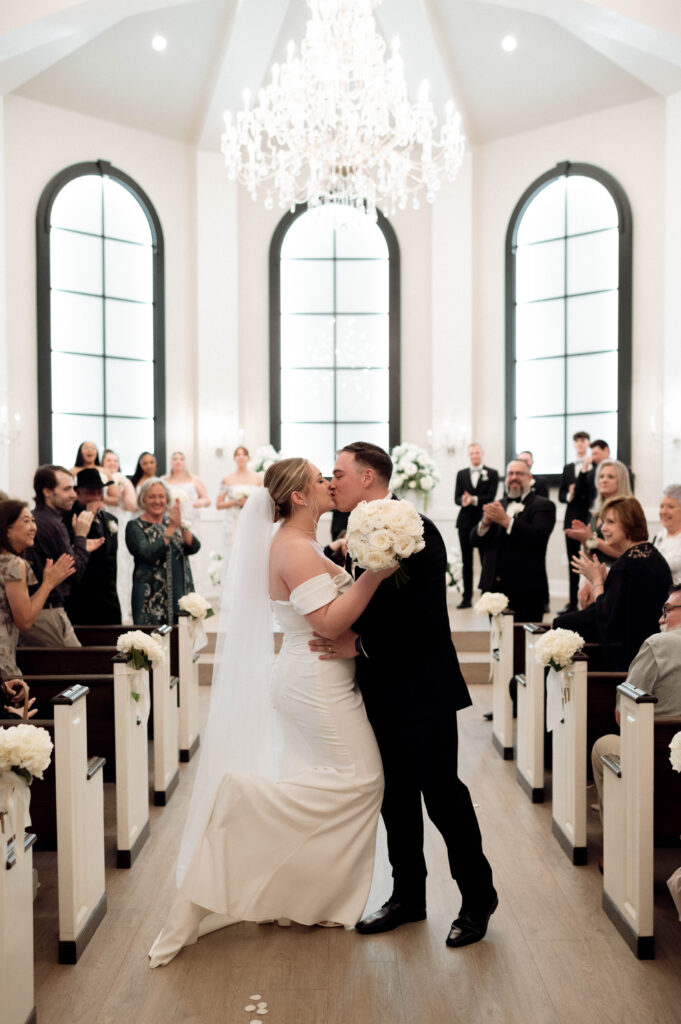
x: 16, y: 932
x: 641, y: 810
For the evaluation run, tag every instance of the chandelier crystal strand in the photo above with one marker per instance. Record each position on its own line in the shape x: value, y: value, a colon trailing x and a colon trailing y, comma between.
x: 335, y: 124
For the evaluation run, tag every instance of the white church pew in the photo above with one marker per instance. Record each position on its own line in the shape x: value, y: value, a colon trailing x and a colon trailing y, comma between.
x: 530, y: 720
x: 166, y: 742
x: 628, y: 810
x: 569, y: 765
x: 501, y: 657
x: 17, y: 1001
x: 188, y: 671
x: 132, y: 771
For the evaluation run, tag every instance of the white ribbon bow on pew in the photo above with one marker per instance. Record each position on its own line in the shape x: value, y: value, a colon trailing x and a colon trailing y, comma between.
x: 15, y: 797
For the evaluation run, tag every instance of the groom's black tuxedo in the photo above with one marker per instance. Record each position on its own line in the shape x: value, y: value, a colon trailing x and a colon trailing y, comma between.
x: 412, y: 686
x: 515, y: 563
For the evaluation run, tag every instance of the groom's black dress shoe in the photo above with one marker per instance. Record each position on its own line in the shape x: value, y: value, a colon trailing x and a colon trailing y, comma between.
x: 391, y: 915
x: 471, y: 927
x: 466, y: 603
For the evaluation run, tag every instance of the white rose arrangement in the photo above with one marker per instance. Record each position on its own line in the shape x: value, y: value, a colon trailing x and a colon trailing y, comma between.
x: 491, y: 604
x: 514, y: 508
x: 144, y: 650
x: 557, y: 648
x: 381, y: 534
x: 26, y: 750
x: 113, y: 526
x: 120, y: 479
x: 454, y: 572
x: 178, y: 494
x: 241, y: 491
x: 263, y: 458
x: 215, y: 568
x: 675, y: 756
x: 413, y: 470
x: 196, y: 605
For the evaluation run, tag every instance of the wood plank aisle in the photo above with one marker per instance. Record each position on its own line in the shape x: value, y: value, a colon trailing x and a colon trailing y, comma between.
x: 551, y: 955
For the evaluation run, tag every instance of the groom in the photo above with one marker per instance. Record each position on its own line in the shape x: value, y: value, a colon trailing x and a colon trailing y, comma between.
x: 409, y: 675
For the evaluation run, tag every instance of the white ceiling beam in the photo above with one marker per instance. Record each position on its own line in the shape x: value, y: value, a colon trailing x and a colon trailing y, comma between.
x: 247, y: 50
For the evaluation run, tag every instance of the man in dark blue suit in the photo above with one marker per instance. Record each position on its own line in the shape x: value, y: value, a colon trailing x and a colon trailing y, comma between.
x: 409, y: 675
x: 475, y: 486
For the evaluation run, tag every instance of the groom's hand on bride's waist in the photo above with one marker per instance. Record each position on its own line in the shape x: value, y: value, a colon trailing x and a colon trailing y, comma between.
x: 342, y: 647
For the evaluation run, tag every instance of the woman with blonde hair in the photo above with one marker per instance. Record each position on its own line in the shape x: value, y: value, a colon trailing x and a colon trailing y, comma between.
x: 235, y: 489
x: 287, y: 836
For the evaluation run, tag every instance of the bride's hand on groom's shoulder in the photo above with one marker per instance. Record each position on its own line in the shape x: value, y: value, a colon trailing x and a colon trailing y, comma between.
x: 342, y: 647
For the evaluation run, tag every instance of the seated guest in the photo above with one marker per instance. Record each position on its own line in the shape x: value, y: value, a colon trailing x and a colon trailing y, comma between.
x: 160, y: 546
x: 539, y: 484
x: 668, y: 540
x: 144, y: 470
x: 14, y: 698
x: 656, y: 669
x: 626, y: 597
x: 18, y: 610
x: 512, y: 537
x: 54, y: 498
x: 93, y: 599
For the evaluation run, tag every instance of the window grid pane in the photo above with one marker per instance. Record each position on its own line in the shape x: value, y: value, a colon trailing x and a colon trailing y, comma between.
x: 566, y: 319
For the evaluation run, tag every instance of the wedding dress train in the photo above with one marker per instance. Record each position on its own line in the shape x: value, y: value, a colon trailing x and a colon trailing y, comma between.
x: 301, y: 847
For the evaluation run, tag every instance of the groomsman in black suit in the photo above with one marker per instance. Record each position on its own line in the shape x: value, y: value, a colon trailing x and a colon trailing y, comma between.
x: 512, y: 536
x: 538, y: 484
x: 585, y: 487
x: 94, y: 599
x: 577, y: 502
x: 409, y: 675
x: 475, y: 485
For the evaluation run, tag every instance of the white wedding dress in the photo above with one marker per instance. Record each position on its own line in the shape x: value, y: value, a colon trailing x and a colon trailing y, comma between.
x: 300, y: 847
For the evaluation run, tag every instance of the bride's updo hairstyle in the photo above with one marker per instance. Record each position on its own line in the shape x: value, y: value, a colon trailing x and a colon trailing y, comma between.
x: 282, y: 479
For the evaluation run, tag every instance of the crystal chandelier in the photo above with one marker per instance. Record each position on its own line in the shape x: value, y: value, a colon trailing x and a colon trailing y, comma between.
x: 335, y: 124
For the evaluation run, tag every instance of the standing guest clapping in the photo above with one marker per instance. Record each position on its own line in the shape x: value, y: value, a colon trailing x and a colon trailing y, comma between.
x: 87, y: 457
x: 93, y: 599
x: 234, y: 490
x: 190, y: 489
x: 161, y: 546
x: 668, y: 540
x: 121, y: 500
x: 577, y: 506
x: 19, y: 610
x: 475, y: 486
x: 54, y: 497
x: 144, y: 470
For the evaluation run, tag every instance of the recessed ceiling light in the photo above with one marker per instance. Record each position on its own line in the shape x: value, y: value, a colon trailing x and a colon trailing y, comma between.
x: 509, y: 44
x: 159, y: 43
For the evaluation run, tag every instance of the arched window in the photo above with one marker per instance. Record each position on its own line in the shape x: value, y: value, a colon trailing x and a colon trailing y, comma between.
x: 334, y: 333
x: 568, y: 316
x: 100, y: 316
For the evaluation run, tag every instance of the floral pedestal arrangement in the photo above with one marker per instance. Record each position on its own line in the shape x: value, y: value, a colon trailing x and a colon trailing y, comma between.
x: 414, y: 474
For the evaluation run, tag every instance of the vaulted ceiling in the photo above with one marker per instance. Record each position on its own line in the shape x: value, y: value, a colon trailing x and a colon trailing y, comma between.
x: 573, y: 57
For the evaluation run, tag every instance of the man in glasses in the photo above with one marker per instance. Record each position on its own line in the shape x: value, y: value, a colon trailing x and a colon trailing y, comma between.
x: 655, y: 669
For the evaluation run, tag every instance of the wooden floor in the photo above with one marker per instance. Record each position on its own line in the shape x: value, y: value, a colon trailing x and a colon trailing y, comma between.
x: 550, y: 955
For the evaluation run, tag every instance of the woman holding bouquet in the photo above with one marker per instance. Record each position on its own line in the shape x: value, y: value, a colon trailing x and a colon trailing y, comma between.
x: 289, y: 837
x: 235, y: 489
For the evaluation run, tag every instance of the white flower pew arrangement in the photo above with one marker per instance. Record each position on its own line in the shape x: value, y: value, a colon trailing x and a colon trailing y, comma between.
x: 215, y: 568
x: 264, y: 457
x: 674, y: 881
x: 414, y: 472
x: 557, y: 648
x: 25, y: 754
x: 144, y: 652
x: 198, y: 609
x: 383, y: 533
x: 495, y: 606
x: 454, y: 572
x: 531, y: 700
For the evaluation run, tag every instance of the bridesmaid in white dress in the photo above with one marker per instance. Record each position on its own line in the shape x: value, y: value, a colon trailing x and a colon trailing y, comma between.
x: 122, y: 501
x: 294, y: 842
x: 189, y: 488
x: 234, y: 491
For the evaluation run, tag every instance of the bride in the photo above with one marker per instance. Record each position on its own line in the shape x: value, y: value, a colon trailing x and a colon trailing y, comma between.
x: 289, y: 835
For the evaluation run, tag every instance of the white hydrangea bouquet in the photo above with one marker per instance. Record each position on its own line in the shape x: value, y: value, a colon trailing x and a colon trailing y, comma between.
x: 675, y: 756
x: 144, y: 649
x: 491, y: 604
x: 413, y: 470
x: 25, y: 753
x: 196, y: 605
x: 263, y: 458
x: 382, y: 533
x: 557, y: 648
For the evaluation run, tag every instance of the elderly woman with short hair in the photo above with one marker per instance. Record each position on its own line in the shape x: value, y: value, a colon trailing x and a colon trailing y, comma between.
x: 160, y: 546
x: 629, y: 597
x: 668, y: 540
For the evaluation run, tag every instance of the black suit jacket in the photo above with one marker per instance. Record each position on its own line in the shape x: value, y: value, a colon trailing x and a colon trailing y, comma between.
x: 517, y: 561
x: 579, y: 507
x: 540, y: 486
x: 411, y: 668
x: 93, y: 599
x: 485, y: 491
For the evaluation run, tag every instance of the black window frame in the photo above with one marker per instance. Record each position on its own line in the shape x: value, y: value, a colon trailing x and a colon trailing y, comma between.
x: 103, y: 168
x: 624, y: 298
x: 394, y: 324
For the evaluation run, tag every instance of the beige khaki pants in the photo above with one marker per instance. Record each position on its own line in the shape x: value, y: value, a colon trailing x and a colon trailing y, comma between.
x: 52, y: 628
x: 604, y: 745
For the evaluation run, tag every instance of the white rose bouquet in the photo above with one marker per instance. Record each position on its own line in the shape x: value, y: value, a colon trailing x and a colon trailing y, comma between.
x: 120, y: 479
x: 491, y: 604
x: 675, y: 756
x: 196, y: 605
x: 144, y: 649
x: 215, y: 568
x: 264, y: 457
x: 413, y: 470
x: 383, y: 533
x: 241, y: 491
x: 178, y: 494
x: 26, y: 750
x: 454, y: 572
x: 557, y: 648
